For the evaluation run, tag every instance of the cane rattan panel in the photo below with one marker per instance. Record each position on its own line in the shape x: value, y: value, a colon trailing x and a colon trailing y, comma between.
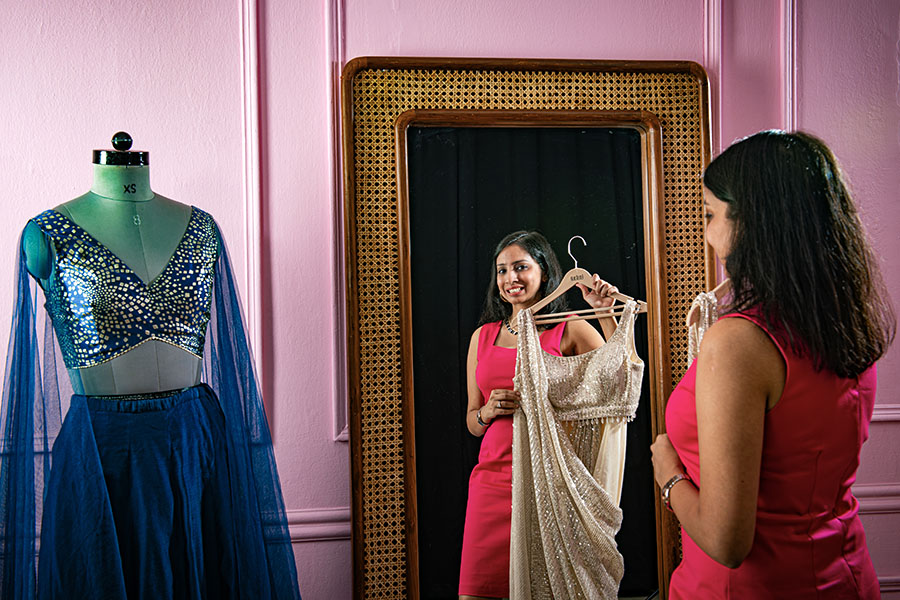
x: 376, y: 91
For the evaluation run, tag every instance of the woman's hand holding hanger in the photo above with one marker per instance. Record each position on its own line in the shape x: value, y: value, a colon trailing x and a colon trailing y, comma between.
x: 599, y: 295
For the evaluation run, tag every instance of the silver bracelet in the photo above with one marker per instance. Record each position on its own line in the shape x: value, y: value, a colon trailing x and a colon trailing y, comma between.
x: 668, y: 488
x: 478, y: 418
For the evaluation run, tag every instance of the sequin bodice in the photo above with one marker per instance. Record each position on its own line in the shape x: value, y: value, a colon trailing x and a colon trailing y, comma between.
x: 603, y: 383
x: 102, y: 309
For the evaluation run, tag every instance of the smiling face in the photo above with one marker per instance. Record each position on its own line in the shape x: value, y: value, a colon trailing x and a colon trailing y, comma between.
x: 519, y: 277
x: 719, y: 228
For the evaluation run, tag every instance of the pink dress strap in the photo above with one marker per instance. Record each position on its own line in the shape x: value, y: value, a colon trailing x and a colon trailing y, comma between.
x: 551, y: 339
x: 487, y: 337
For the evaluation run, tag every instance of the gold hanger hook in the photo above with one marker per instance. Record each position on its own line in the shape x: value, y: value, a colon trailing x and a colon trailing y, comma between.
x: 569, y: 247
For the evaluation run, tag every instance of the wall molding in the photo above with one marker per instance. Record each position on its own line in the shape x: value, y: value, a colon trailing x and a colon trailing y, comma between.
x: 789, y: 49
x: 878, y: 498
x: 319, y: 524
x: 886, y: 412
x: 252, y: 176
x: 712, y: 60
x: 889, y: 583
x: 334, y: 54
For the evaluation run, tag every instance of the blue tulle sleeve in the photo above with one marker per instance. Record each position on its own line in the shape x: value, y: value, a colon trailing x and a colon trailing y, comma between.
x: 228, y: 369
x: 30, y: 418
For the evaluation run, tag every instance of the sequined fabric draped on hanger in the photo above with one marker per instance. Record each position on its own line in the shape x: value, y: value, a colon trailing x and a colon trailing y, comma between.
x: 708, y: 305
x: 568, y: 461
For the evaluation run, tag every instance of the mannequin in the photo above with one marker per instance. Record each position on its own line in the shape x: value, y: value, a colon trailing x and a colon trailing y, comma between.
x: 156, y: 478
x: 143, y: 229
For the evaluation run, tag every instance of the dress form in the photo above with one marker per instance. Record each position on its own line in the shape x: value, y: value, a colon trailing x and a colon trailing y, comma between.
x: 143, y: 229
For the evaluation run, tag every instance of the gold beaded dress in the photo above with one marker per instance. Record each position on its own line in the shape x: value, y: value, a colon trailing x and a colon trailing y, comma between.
x: 568, y: 463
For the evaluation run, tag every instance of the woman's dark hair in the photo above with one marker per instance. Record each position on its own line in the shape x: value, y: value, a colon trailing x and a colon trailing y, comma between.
x: 799, y: 252
x: 535, y: 244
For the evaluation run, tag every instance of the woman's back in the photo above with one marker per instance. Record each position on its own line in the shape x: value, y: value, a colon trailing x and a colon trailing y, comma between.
x: 808, y: 540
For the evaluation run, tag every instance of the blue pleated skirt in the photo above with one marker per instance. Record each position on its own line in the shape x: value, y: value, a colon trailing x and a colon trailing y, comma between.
x: 141, y: 504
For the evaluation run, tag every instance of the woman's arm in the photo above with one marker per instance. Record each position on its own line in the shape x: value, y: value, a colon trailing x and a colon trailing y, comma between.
x: 501, y: 402
x: 740, y: 372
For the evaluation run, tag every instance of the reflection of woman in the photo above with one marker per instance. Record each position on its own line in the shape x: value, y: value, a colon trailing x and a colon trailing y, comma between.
x: 768, y: 422
x: 525, y: 270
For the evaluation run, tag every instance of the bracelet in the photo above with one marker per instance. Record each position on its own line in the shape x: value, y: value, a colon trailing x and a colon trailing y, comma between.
x: 478, y: 418
x: 668, y: 488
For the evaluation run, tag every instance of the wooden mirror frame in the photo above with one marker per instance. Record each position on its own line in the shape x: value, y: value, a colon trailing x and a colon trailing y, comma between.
x: 380, y: 97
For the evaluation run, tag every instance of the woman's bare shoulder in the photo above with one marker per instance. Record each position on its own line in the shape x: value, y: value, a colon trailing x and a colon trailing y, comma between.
x: 736, y: 336
x: 744, y: 350
x: 476, y: 335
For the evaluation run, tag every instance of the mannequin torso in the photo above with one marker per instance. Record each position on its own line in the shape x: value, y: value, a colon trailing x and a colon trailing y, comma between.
x: 142, y: 229
x: 154, y: 485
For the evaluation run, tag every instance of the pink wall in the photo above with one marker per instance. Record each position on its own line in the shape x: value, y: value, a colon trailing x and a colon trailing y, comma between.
x: 179, y: 79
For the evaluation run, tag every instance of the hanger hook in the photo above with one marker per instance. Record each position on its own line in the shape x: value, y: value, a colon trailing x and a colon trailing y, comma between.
x: 569, y: 247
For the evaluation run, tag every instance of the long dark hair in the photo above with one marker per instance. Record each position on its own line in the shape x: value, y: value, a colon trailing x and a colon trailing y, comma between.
x: 799, y: 252
x: 535, y: 244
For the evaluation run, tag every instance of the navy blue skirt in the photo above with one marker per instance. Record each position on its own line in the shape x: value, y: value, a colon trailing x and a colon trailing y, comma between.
x: 140, y: 504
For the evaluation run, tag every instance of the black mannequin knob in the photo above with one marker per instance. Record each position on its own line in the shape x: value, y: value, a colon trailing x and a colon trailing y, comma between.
x: 122, y: 156
x: 121, y: 141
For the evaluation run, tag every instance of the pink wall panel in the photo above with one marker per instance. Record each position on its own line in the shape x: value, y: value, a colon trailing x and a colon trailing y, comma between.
x: 881, y: 533
x: 300, y: 263
x: 751, y: 75
x: 639, y: 29
x: 880, y: 459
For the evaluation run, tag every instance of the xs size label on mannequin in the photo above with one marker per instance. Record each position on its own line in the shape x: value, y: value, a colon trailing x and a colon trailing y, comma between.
x: 130, y: 188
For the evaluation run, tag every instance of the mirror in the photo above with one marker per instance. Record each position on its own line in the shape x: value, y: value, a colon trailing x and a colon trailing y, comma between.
x: 471, y: 178
x: 662, y: 104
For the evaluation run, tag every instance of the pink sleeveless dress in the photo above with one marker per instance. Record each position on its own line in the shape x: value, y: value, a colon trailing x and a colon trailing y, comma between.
x: 809, y: 542
x: 484, y: 568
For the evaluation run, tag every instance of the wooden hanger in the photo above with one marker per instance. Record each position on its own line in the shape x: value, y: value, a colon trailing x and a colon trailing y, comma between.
x: 720, y: 291
x: 574, y: 276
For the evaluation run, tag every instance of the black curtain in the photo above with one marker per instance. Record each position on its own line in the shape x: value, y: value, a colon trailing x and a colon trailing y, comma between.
x: 469, y: 187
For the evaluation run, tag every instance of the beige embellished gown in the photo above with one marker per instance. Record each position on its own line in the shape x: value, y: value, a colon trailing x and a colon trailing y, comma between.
x: 569, y: 443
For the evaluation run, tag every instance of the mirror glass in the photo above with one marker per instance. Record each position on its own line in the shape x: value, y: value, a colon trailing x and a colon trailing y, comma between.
x: 467, y: 188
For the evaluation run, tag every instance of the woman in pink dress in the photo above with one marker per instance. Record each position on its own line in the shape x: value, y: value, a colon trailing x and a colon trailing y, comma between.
x: 525, y: 270
x: 765, y: 428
